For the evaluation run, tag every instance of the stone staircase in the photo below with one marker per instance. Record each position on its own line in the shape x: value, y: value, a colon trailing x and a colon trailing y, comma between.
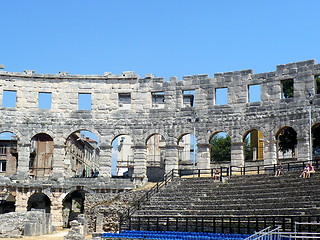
x: 251, y: 196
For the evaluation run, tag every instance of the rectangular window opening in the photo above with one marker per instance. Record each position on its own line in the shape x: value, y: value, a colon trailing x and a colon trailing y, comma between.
x: 44, y: 100
x: 84, y: 101
x: 221, y: 96
x: 287, y: 88
x: 317, y: 79
x: 254, y: 94
x: 9, y: 98
x: 188, y: 98
x: 3, y: 166
x: 157, y: 99
x: 125, y: 100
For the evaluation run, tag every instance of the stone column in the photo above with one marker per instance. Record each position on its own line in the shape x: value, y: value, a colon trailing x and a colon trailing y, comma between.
x: 56, y: 210
x: 302, y: 151
x: 21, y: 200
x: 270, y: 152
x: 23, y: 160
x: 58, y: 161
x: 237, y: 155
x: 140, y: 161
x: 203, y: 156
x: 171, y: 158
x: 105, y: 161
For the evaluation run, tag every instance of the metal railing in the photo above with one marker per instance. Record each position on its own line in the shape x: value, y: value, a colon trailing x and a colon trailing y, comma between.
x: 223, y: 224
x: 155, y: 189
x: 266, y: 234
x: 262, y: 169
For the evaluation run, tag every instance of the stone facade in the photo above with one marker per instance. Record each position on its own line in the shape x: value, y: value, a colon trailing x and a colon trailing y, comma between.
x: 142, y: 107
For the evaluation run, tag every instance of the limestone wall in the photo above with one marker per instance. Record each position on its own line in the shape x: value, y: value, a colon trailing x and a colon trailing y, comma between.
x: 108, y: 119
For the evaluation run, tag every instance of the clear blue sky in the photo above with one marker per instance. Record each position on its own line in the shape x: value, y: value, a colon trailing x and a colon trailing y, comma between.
x: 164, y: 37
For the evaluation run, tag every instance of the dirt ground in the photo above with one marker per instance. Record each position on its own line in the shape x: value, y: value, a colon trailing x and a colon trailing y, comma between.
x: 57, y: 235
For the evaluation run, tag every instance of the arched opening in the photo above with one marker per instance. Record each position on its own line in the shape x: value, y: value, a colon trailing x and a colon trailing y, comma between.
x: 39, y: 201
x: 122, y: 156
x: 253, y: 145
x: 316, y: 140
x: 187, y: 150
x: 82, y: 154
x: 220, y: 148
x: 41, y: 154
x: 286, y: 143
x: 72, y: 206
x: 155, y: 157
x: 7, y: 203
x: 8, y: 153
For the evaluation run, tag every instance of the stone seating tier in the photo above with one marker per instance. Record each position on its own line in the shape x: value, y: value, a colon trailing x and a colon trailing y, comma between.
x: 253, y: 195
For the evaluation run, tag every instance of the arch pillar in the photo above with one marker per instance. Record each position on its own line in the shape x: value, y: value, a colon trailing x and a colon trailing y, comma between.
x: 23, y: 160
x: 171, y: 158
x: 303, y: 148
x: 140, y: 161
x: 203, y: 156
x: 105, y: 161
x: 270, y: 152
x: 57, y: 210
x: 58, y: 161
x: 237, y: 156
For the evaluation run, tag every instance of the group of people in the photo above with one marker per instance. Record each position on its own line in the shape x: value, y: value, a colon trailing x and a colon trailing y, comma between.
x: 306, y: 173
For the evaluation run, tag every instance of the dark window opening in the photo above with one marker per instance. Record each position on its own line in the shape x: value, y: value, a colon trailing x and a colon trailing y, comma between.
x: 317, y: 79
x: 287, y: 88
x: 188, y: 98
x: 124, y: 99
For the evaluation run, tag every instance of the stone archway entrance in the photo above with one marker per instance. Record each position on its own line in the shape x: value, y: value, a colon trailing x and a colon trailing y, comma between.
x: 39, y: 201
x: 73, y: 206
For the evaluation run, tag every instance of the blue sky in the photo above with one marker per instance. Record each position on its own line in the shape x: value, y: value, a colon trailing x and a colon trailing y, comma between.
x: 166, y: 38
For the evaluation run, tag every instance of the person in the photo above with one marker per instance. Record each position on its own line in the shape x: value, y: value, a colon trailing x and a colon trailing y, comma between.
x: 306, y: 171
x: 216, y: 175
x: 279, y: 170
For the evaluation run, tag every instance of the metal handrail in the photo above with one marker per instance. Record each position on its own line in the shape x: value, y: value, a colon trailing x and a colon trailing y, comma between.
x: 260, y: 169
x: 137, y: 204
x: 264, y: 233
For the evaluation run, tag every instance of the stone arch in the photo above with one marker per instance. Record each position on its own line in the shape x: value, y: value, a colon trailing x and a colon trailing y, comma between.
x: 187, y: 149
x: 122, y: 156
x: 286, y: 138
x: 82, y: 154
x: 220, y: 147
x: 7, y: 203
x: 73, y: 206
x: 253, y: 140
x: 8, y: 152
x: 39, y: 201
x: 88, y: 128
x: 41, y: 155
x: 155, y: 157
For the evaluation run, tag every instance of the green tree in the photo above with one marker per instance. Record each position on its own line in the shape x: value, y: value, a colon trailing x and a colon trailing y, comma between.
x: 287, y: 140
x: 220, y: 148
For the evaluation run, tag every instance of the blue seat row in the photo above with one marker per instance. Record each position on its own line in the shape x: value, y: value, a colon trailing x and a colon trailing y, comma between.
x: 171, y: 235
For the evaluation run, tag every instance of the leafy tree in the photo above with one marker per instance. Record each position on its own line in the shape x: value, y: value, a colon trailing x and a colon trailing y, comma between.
x: 220, y: 148
x: 287, y: 140
x: 287, y: 88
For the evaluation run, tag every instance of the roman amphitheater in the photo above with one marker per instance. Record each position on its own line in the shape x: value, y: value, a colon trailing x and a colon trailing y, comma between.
x: 144, y: 128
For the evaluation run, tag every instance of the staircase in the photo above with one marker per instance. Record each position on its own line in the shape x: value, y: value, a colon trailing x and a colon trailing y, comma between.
x: 243, y: 204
